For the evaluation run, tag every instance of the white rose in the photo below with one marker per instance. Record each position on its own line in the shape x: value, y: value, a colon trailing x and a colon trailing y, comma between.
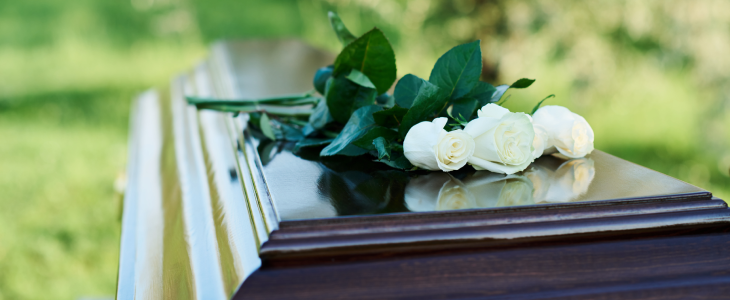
x: 428, y: 146
x: 569, y: 133
x: 540, y: 143
x: 503, y: 140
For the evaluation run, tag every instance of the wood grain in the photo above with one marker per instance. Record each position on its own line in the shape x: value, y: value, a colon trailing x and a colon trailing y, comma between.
x: 367, y: 237
x: 678, y: 264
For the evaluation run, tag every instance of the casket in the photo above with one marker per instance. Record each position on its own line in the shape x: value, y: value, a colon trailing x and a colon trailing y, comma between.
x: 213, y: 210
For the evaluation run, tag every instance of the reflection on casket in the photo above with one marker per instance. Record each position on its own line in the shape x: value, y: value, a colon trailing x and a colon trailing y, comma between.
x: 306, y: 186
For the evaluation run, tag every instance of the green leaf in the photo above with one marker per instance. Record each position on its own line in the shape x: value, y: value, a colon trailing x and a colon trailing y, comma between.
x: 458, y: 70
x: 522, y: 83
x: 320, y: 116
x: 360, y: 78
x: 400, y: 162
x: 519, y: 84
x: 391, y: 117
x: 501, y: 103
x: 540, y: 103
x: 397, y: 159
x: 352, y: 150
x: 345, y: 96
x: 266, y: 129
x: 359, y: 124
x: 482, y: 92
x: 372, y: 55
x: 463, y: 108
x: 286, y: 132
x: 321, y: 77
x: 498, y: 92
x: 386, y: 100
x: 406, y: 90
x: 271, y: 100
x: 343, y: 34
x: 305, y: 143
x: 366, y: 141
x: 428, y: 103
x: 381, y: 144
x: 272, y: 109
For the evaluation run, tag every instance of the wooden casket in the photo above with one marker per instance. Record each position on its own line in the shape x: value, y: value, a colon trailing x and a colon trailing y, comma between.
x: 213, y: 211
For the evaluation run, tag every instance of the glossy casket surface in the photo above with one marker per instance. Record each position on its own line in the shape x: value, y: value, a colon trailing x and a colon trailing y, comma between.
x: 214, y: 211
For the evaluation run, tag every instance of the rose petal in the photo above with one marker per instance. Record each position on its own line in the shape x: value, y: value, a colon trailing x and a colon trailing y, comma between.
x: 492, y: 110
x: 481, y: 164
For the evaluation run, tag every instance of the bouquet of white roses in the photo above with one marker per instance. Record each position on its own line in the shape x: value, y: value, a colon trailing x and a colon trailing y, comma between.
x: 350, y: 113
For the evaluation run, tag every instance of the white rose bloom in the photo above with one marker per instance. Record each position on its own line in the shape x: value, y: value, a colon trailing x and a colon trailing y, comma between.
x: 540, y: 143
x: 428, y: 146
x: 569, y: 133
x: 503, y: 140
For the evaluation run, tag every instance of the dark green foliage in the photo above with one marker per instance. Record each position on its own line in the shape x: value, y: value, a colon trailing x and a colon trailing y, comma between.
x: 396, y: 157
x: 464, y: 107
x: 372, y: 55
x: 345, y: 96
x: 385, y: 100
x: 458, y: 71
x: 286, y: 132
x: 407, y: 89
x: 482, y: 92
x: 429, y: 101
x: 360, y: 78
x: 522, y: 83
x: 381, y: 145
x: 391, y: 117
x: 343, y: 34
x: 310, y: 142
x: 366, y: 141
x: 321, y: 77
x: 359, y: 124
x: 320, y: 116
x: 519, y: 84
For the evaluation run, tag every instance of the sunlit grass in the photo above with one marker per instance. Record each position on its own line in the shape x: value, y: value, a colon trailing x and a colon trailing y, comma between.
x: 75, y: 64
x: 59, y: 214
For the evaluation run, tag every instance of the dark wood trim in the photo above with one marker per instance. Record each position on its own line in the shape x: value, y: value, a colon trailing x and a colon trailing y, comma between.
x: 374, y: 236
x: 692, y: 264
x: 484, y: 236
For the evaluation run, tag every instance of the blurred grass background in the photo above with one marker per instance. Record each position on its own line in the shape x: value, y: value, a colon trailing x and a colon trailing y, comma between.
x: 651, y: 77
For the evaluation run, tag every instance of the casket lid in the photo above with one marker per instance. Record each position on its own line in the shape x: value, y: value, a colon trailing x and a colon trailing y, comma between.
x: 208, y: 199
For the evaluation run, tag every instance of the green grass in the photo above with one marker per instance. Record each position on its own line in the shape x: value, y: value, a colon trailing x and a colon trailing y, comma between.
x: 59, y: 216
x: 69, y: 70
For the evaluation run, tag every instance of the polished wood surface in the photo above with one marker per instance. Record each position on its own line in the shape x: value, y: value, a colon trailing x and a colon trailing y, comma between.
x: 679, y: 264
x: 305, y: 186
